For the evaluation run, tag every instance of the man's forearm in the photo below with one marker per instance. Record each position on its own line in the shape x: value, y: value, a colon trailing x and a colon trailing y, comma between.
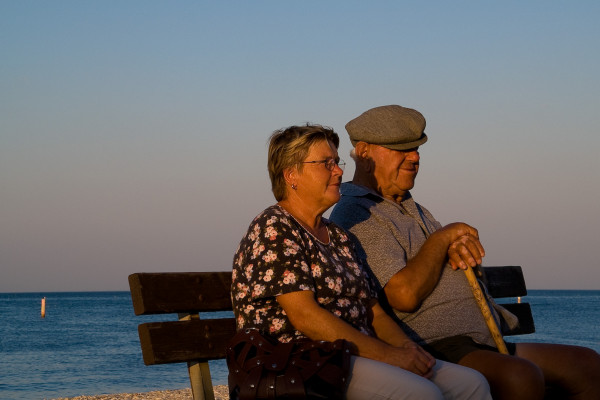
x: 407, y: 289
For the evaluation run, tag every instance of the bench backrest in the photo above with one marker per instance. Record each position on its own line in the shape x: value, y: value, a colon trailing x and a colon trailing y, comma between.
x: 185, y: 294
x: 508, y: 282
x: 195, y: 341
x: 189, y: 339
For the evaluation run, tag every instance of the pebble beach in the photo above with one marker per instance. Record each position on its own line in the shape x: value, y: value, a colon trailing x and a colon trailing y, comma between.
x: 179, y: 394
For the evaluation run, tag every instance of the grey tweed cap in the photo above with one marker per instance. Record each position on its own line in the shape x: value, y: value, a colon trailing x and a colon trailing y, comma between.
x: 393, y: 126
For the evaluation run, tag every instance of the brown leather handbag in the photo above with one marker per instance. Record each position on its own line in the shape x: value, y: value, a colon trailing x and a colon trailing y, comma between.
x: 263, y: 368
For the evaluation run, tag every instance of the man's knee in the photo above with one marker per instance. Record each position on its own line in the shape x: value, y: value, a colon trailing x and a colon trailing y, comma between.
x: 573, y: 369
x: 521, y: 380
x: 583, y: 378
x: 522, y: 372
x: 509, y: 377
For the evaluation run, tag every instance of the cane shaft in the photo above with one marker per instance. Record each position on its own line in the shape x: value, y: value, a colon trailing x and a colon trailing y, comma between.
x: 485, y: 310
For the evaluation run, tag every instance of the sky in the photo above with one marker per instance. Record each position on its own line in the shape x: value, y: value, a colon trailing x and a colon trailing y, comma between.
x: 133, y: 135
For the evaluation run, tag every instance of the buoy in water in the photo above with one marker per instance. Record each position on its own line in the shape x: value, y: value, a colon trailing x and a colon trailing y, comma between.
x: 43, y: 307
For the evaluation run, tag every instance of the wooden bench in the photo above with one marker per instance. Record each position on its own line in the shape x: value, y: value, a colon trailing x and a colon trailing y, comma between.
x: 195, y: 341
x: 508, y: 282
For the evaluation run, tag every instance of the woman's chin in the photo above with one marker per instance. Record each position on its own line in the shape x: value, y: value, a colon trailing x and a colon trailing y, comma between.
x: 333, y: 198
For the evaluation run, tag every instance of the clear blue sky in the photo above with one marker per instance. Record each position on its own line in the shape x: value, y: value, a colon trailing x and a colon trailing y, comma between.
x: 133, y: 134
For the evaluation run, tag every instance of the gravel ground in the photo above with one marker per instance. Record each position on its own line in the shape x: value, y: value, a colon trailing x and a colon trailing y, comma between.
x: 181, y: 394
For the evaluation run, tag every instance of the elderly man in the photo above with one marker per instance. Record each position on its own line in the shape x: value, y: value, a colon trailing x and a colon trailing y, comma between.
x: 417, y: 264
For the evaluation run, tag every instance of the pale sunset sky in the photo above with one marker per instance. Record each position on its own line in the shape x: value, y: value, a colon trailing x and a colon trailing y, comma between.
x: 133, y: 133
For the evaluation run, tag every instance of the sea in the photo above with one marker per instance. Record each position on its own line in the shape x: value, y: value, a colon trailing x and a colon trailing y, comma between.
x: 87, y: 343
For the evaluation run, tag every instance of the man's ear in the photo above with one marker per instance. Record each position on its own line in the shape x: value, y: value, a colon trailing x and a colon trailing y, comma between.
x: 361, y: 150
x: 364, y: 162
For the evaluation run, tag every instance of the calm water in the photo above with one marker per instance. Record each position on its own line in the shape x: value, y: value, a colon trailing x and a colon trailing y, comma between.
x: 88, y: 342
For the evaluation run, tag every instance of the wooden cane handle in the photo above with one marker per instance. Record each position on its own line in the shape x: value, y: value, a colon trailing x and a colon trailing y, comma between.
x: 485, y: 310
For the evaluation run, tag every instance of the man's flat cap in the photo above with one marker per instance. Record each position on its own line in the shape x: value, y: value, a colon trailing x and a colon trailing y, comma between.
x: 394, y: 127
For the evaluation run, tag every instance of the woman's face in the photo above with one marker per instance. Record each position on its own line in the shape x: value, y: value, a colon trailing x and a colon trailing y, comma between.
x: 316, y: 183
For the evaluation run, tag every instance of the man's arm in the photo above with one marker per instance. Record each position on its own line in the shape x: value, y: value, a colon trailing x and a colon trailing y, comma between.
x: 385, y: 247
x: 457, y: 244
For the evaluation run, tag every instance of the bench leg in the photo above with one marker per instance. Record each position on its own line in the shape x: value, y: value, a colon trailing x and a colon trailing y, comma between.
x: 200, y: 381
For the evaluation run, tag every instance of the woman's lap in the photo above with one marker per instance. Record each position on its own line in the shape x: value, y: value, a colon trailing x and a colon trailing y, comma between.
x: 370, y: 379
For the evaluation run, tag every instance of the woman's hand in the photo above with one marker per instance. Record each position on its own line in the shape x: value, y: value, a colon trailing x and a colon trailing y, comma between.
x: 413, y: 358
x: 405, y: 353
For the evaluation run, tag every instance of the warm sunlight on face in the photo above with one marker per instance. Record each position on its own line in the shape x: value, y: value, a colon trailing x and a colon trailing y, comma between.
x: 395, y: 170
x: 315, y: 181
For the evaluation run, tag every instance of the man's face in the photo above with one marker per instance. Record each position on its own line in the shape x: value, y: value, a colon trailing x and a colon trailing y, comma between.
x: 395, y: 170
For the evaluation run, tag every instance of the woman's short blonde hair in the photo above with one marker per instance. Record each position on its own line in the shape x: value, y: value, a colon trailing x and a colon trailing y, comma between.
x: 288, y: 147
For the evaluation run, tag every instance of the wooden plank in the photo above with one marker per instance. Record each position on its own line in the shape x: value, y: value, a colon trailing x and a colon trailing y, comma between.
x: 505, y: 281
x: 176, y: 292
x: 182, y: 341
x: 523, y: 312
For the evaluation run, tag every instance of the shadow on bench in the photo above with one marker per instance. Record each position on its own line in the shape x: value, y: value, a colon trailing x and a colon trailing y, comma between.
x: 196, y: 341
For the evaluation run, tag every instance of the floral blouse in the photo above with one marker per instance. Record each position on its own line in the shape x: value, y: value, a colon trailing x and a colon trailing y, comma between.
x: 277, y: 256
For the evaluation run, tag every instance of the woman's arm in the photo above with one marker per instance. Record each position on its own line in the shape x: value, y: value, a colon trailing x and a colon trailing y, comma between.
x: 386, y: 328
x: 319, y: 324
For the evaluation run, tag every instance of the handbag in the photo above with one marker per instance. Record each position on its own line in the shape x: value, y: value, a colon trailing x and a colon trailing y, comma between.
x: 263, y: 368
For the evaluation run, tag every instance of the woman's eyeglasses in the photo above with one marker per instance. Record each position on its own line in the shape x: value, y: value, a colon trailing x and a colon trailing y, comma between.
x: 329, y: 163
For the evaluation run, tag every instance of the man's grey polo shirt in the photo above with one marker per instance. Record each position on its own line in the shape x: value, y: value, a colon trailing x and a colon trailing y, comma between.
x: 387, y: 235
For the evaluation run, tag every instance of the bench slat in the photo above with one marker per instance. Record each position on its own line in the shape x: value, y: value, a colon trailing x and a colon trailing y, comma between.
x: 505, y: 281
x: 180, y: 292
x: 181, y: 341
x: 523, y: 312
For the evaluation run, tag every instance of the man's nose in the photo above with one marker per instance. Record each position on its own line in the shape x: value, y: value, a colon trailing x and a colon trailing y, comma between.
x: 413, y: 155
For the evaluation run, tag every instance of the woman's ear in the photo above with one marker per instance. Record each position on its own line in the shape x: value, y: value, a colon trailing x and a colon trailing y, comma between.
x: 290, y: 175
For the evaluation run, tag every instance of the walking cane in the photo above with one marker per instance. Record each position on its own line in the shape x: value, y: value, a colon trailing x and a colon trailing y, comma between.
x: 485, y: 310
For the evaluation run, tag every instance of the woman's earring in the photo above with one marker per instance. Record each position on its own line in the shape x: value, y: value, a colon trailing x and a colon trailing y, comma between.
x: 294, y: 186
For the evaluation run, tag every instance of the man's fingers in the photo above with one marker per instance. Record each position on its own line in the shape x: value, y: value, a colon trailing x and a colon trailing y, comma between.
x: 465, y: 252
x: 458, y: 229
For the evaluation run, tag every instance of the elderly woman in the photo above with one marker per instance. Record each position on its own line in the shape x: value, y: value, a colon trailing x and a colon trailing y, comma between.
x: 295, y: 275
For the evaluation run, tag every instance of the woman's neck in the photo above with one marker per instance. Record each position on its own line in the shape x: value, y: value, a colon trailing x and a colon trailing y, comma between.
x: 310, y: 219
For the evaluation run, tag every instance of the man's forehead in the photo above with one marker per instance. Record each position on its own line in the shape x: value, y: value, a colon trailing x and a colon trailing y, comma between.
x: 395, y: 151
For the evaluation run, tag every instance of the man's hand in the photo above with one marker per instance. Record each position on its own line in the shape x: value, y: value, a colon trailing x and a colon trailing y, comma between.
x: 464, y: 249
x: 465, y: 252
